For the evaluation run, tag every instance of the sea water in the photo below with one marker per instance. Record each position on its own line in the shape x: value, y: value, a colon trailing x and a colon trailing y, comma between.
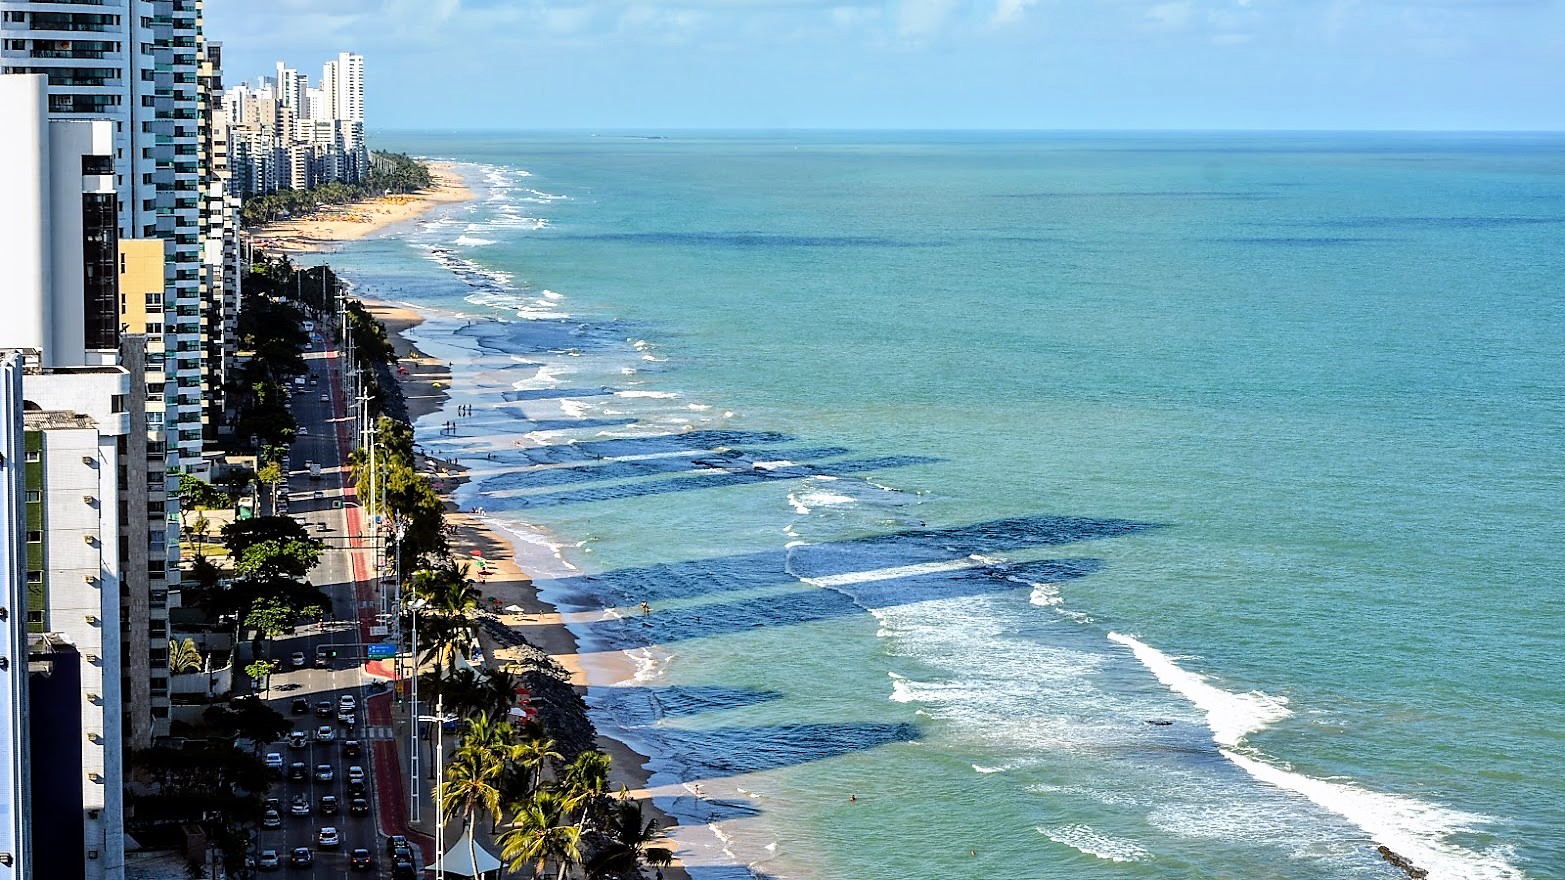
x: 1033, y: 506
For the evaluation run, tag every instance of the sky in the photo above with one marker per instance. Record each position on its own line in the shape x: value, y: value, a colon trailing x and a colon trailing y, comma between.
x: 923, y: 64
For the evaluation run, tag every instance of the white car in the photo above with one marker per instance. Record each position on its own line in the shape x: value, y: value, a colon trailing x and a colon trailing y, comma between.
x: 304, y: 431
x: 325, y: 398
x: 297, y: 659
x: 324, y: 733
x: 328, y: 837
x: 347, y: 703
x: 268, y: 860
x: 274, y: 761
x: 323, y: 773
x: 355, y: 773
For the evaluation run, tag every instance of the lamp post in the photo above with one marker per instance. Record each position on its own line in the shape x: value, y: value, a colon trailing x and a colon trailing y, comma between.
x: 439, y: 719
x: 413, y: 808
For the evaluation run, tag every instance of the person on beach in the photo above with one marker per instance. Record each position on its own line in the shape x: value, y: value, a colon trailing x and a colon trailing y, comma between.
x: 646, y: 610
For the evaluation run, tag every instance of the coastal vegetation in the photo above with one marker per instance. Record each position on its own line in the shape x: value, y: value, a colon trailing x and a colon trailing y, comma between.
x: 389, y: 173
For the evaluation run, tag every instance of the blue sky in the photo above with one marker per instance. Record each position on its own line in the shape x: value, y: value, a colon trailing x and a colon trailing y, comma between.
x: 1030, y: 64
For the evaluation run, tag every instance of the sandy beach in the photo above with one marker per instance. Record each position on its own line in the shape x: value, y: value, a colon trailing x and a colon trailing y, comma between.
x: 424, y: 380
x: 339, y: 223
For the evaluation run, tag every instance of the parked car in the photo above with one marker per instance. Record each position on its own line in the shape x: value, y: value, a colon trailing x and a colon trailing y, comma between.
x: 301, y: 706
x: 301, y: 857
x: 328, y: 837
x: 274, y: 761
x: 360, y: 860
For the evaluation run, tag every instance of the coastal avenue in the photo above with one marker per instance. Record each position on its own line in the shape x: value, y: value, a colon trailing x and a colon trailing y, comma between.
x: 319, y: 408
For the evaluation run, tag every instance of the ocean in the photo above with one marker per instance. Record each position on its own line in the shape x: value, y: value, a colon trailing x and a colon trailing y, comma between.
x: 1033, y: 505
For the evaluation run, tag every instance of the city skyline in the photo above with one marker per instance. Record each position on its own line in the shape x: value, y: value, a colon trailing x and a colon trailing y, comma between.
x: 938, y: 64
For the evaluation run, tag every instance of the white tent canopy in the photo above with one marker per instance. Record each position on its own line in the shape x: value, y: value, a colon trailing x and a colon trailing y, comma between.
x: 458, y: 859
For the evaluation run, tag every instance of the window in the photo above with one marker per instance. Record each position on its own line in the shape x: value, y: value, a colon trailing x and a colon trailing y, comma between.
x: 35, y: 577
x: 97, y: 165
x: 34, y: 455
x: 34, y: 496
x: 35, y: 537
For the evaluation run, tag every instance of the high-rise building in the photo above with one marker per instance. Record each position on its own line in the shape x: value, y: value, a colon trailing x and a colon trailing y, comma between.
x: 280, y: 141
x: 15, y: 775
x: 220, y: 271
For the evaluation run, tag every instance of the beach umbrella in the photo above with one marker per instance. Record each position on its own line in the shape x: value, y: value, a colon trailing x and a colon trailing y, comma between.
x: 466, y: 859
x: 515, y: 609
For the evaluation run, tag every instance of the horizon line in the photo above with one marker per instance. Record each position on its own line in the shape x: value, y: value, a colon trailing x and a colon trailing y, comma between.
x: 992, y: 130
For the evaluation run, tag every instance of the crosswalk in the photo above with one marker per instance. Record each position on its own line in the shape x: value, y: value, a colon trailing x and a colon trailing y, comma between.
x: 380, y: 733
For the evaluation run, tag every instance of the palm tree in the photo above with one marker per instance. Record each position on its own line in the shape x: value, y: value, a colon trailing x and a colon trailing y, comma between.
x: 631, y: 832
x: 470, y: 789
x: 659, y: 858
x: 537, y: 836
x: 585, y: 781
x: 532, y: 755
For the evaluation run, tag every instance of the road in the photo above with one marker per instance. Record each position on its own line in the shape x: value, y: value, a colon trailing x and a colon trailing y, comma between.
x: 318, y: 407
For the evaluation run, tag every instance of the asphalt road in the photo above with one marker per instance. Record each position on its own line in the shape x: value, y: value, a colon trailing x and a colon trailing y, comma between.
x: 334, y: 575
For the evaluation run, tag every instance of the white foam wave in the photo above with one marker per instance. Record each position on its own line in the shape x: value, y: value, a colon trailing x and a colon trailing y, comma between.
x: 1083, y: 838
x: 652, y: 395
x: 473, y: 241
x: 1231, y: 716
x: 979, y: 768
x: 1413, y: 829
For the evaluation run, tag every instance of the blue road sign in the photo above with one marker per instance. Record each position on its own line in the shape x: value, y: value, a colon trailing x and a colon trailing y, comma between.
x: 380, y: 652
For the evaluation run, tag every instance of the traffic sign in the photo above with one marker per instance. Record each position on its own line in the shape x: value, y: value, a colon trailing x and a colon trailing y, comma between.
x: 380, y: 651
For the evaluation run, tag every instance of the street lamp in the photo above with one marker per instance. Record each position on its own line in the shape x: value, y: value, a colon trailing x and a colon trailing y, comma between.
x: 439, y: 719
x: 413, y: 815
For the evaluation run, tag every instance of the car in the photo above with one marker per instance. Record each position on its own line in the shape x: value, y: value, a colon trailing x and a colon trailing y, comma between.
x: 325, y: 398
x: 297, y: 772
x: 298, y: 739
x: 296, y: 659
x: 358, y: 807
x: 304, y: 431
x: 355, y: 788
x: 324, y: 709
x: 347, y: 703
x: 328, y: 836
x: 355, y: 773
x: 301, y: 706
x: 301, y: 857
x: 318, y: 495
x: 328, y: 805
x: 395, y: 841
x: 403, y: 854
x: 323, y: 773
x: 300, y: 806
x: 347, y: 719
x: 324, y: 733
x: 403, y: 871
x: 271, y: 819
x: 274, y: 761
x: 272, y: 803
x: 322, y: 657
x: 351, y: 748
x: 268, y: 860
x: 360, y: 860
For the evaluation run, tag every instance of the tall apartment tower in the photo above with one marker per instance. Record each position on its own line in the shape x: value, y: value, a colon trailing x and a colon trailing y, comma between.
x: 220, y: 271
x: 15, y: 778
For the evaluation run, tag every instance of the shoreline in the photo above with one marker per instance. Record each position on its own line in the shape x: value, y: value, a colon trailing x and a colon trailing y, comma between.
x: 425, y: 386
x: 336, y: 224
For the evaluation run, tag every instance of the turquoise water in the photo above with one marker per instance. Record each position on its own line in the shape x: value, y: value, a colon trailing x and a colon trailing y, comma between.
x: 1161, y: 506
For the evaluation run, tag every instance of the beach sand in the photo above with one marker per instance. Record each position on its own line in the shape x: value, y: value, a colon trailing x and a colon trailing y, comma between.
x: 339, y: 223
x: 473, y: 538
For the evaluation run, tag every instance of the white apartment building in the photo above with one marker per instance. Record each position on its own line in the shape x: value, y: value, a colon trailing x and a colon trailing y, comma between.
x: 15, y: 778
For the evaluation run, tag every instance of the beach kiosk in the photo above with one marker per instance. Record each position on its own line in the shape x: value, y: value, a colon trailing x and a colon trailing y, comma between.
x: 466, y: 858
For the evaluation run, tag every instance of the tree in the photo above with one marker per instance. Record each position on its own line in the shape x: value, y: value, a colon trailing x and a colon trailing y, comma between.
x: 269, y: 547
x: 270, y: 618
x: 584, y: 783
x: 534, y: 754
x: 184, y: 656
x: 469, y: 788
x: 250, y: 719
x: 658, y: 858
x: 261, y: 670
x: 630, y: 832
x: 538, y: 836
